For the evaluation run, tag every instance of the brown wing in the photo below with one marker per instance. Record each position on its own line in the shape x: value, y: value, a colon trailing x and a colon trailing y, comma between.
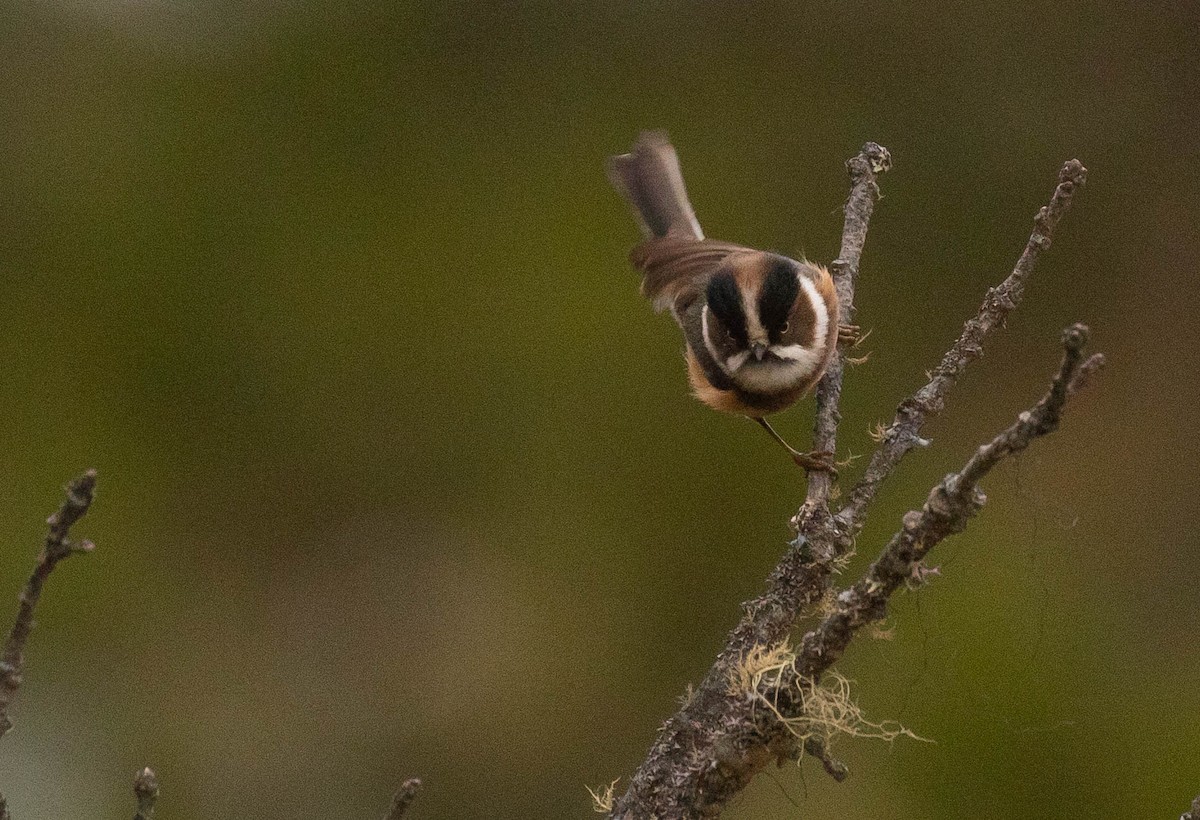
x: 676, y: 268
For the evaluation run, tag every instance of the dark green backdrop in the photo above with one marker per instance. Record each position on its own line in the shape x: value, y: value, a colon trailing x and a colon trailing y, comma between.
x: 399, y: 474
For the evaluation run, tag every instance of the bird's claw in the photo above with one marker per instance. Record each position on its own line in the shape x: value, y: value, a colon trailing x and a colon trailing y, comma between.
x: 850, y: 335
x: 817, y: 460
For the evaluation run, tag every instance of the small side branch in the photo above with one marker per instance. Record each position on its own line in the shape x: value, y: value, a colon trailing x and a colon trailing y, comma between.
x: 403, y: 799
x: 913, y: 412
x: 946, y: 512
x: 802, y: 575
x: 145, y: 788
x: 871, y: 161
x: 57, y: 547
x: 816, y: 747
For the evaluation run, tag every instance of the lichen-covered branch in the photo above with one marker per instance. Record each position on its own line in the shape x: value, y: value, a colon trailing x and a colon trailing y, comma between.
x: 1194, y: 814
x: 787, y: 688
x: 145, y: 788
x: 674, y: 780
x: 904, y: 432
x: 949, y: 507
x: 57, y: 547
x: 403, y: 799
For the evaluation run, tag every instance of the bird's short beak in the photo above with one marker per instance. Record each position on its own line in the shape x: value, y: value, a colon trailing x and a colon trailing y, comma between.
x: 759, y: 349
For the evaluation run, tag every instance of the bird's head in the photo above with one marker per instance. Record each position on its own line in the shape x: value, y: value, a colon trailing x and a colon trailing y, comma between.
x: 766, y: 321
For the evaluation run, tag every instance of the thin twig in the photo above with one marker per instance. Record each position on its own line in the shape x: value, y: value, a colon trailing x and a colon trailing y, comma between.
x: 675, y: 777
x: 403, y: 799
x: 4, y: 815
x: 872, y: 160
x: 145, y: 787
x: 80, y: 492
x: 913, y: 412
x: 816, y: 747
x: 802, y: 575
x: 946, y: 512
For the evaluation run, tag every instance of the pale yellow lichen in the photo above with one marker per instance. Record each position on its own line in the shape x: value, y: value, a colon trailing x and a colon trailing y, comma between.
x: 828, y: 709
x: 745, y: 677
x: 685, y: 699
x: 602, y: 797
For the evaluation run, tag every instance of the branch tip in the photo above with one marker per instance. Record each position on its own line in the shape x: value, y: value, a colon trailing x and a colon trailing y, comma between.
x: 80, y: 493
x: 403, y: 799
x: 145, y: 788
x: 871, y: 160
x: 1083, y: 377
x: 873, y: 157
x: 1076, y: 336
x: 835, y: 768
x: 1072, y: 173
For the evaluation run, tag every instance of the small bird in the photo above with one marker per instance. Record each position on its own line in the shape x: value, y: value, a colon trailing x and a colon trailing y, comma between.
x: 760, y: 328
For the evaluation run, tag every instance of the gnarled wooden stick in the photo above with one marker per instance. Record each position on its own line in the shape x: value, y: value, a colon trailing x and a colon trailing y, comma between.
x: 57, y: 547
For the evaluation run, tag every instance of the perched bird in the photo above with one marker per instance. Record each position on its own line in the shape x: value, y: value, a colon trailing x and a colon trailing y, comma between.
x: 760, y: 328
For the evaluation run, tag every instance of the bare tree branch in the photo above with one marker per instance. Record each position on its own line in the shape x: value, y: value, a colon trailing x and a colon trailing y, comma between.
x: 801, y: 576
x: 1194, y: 814
x: 913, y: 412
x: 403, y: 799
x: 145, y: 787
x: 57, y: 547
x: 949, y: 507
x: 709, y: 750
x: 665, y: 785
x: 789, y: 686
x: 872, y: 160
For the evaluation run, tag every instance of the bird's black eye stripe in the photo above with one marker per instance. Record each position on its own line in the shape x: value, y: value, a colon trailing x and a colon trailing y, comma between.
x: 725, y: 302
x: 778, y: 294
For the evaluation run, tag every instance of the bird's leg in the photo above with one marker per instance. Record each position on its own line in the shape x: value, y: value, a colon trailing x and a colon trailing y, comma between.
x: 809, y: 461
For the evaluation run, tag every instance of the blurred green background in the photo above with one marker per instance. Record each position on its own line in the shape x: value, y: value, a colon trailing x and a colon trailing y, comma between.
x: 399, y: 474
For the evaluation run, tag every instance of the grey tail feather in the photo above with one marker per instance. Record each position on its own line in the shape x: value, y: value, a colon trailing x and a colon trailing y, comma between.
x: 650, y: 179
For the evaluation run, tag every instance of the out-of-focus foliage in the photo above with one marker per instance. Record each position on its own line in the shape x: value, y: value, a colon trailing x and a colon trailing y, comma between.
x: 399, y: 474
